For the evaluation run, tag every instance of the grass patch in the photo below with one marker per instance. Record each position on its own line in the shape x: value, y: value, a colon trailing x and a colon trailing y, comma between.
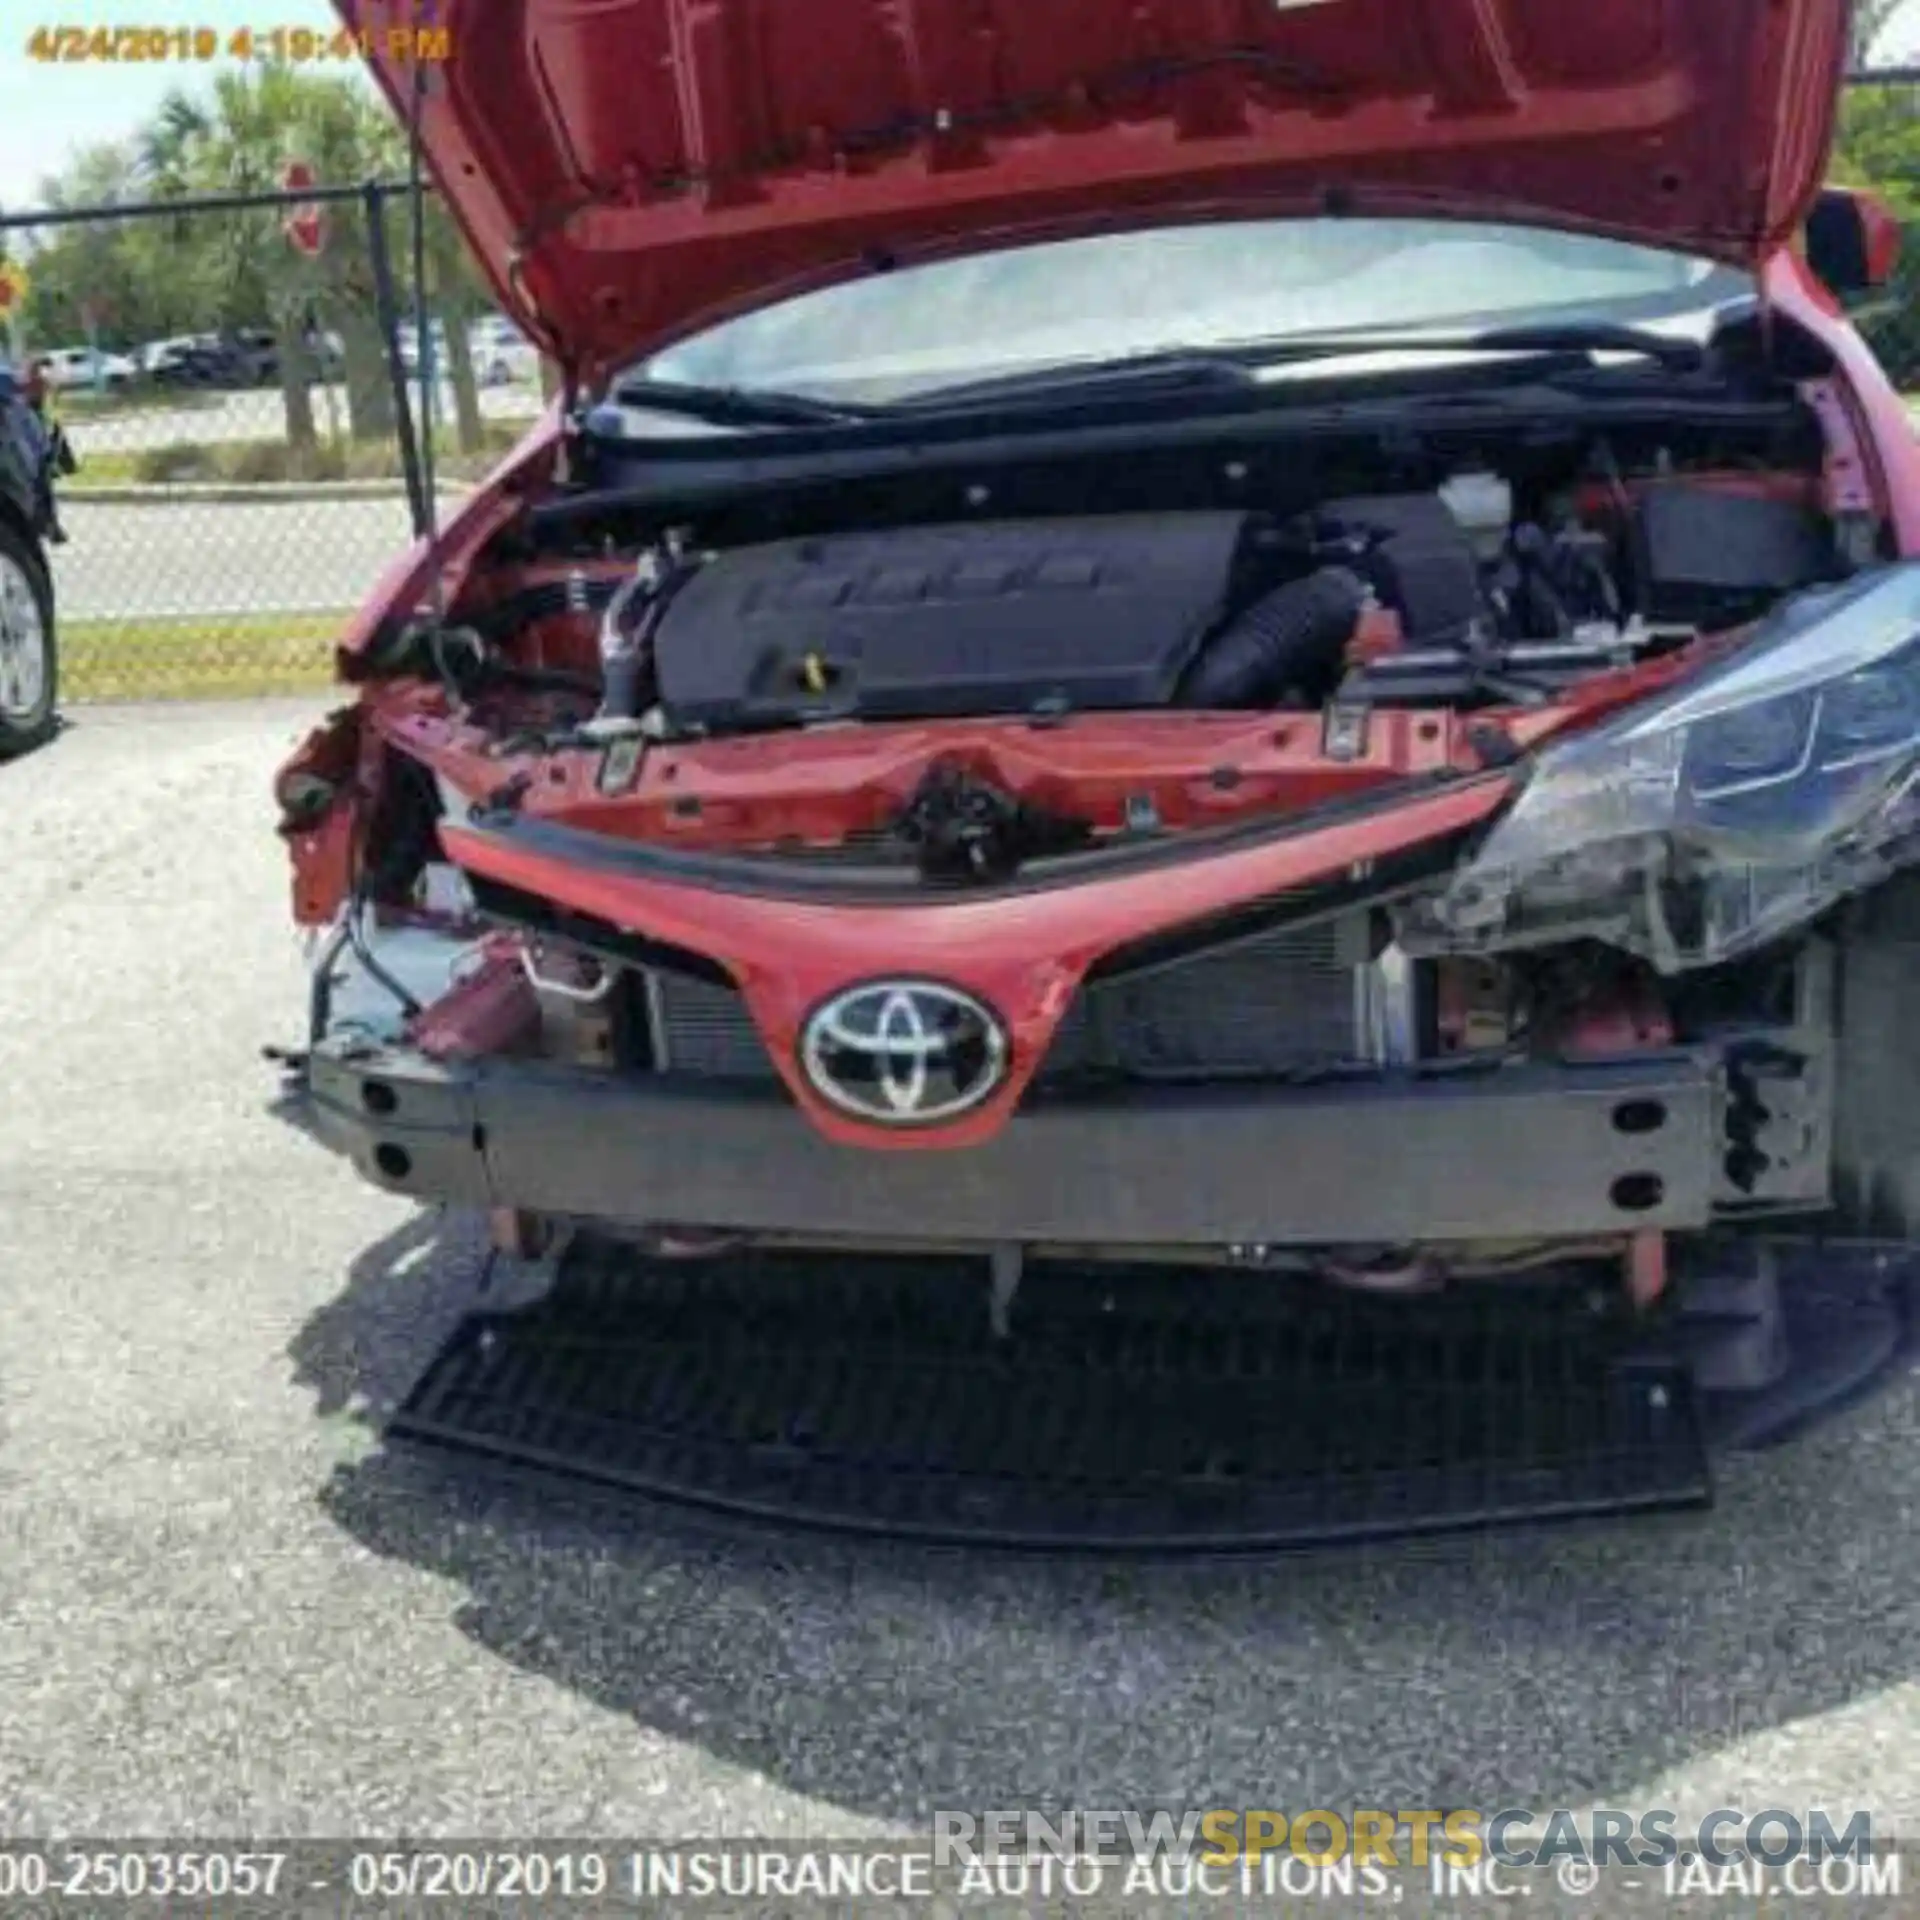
x: 197, y: 657
x: 252, y: 462
x: 112, y: 467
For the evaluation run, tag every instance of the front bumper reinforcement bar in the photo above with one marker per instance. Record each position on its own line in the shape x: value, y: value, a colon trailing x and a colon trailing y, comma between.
x: 1533, y: 1152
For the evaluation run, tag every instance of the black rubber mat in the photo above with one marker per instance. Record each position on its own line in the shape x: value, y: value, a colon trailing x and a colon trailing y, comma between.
x: 1168, y: 1411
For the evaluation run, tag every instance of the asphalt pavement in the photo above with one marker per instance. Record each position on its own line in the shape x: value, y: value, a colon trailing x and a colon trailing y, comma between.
x: 226, y: 1605
x: 161, y: 558
x: 154, y: 560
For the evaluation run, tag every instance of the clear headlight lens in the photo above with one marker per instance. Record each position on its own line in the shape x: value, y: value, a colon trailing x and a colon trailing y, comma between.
x: 1714, y: 819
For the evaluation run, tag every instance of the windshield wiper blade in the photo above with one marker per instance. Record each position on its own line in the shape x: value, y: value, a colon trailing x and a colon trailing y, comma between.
x: 1238, y: 363
x: 1183, y: 367
x: 1543, y: 337
x: 1232, y: 365
x: 738, y: 406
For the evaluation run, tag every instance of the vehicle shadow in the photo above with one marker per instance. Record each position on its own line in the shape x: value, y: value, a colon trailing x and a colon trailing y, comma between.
x: 1551, y: 1666
x: 61, y: 724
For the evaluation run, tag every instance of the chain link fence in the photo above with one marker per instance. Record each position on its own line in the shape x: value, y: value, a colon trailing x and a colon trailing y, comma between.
x: 240, y: 487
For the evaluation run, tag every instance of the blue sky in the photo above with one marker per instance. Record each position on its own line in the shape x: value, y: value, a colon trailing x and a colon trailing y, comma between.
x: 47, y: 110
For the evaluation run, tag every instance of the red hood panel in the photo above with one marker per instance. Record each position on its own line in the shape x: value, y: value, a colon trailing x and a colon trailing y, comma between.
x: 630, y: 170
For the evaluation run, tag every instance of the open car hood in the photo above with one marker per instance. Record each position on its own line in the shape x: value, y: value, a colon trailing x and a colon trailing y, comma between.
x: 632, y: 170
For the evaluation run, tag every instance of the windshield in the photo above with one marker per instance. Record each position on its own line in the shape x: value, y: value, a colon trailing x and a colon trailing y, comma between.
x: 922, y: 328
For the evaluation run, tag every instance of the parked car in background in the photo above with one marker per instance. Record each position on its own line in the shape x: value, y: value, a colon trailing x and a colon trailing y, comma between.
x: 502, y: 354
x: 29, y: 661
x: 193, y: 360
x: 188, y: 360
x: 82, y: 367
x: 253, y: 357
x: 247, y: 358
x: 159, y: 357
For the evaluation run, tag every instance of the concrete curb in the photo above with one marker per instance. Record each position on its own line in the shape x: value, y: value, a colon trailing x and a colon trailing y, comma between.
x: 235, y: 491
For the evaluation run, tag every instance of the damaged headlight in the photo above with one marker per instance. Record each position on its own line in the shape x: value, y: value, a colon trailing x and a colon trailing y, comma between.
x: 1723, y: 814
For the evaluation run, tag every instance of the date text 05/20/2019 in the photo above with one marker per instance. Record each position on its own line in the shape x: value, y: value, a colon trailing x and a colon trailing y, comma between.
x: 134, y: 45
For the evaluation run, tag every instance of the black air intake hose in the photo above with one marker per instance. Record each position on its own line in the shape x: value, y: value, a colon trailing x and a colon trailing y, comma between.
x: 1289, y: 642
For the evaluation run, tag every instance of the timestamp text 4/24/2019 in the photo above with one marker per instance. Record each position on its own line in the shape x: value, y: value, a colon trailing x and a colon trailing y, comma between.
x: 54, y: 44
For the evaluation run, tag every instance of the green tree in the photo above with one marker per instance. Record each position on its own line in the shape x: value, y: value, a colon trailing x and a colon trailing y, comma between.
x: 349, y: 134
x: 1878, y: 143
x: 103, y: 270
x: 143, y: 279
x: 346, y: 136
x: 1878, y: 149
x: 238, y: 141
x: 13, y: 328
x: 459, y: 297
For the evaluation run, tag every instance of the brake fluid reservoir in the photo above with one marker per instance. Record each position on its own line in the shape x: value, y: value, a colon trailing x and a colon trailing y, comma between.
x: 1482, y: 504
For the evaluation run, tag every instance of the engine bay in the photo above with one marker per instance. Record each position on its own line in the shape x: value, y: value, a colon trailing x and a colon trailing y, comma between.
x: 1413, y: 569
x: 1420, y: 595
x: 955, y: 663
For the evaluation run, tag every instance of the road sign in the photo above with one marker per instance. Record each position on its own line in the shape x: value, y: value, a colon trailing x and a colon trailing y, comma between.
x: 305, y: 222
x: 13, y: 289
x: 306, y: 229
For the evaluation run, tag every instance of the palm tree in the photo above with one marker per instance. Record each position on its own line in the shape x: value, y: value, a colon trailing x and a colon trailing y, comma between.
x: 349, y: 135
x: 92, y: 276
x: 346, y: 136
x: 453, y: 290
x: 239, y: 139
x: 458, y: 299
x: 239, y: 143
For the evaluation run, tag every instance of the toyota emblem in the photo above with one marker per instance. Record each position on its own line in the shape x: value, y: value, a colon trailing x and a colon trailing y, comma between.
x: 904, y: 1053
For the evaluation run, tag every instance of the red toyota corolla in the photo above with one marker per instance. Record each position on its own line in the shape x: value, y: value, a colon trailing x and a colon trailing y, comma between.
x: 1276, y: 636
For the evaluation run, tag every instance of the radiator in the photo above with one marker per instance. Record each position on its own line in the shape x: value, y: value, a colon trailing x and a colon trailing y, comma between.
x: 1275, y: 1004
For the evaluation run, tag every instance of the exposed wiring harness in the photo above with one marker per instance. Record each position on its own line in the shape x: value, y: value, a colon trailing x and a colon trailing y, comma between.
x: 351, y: 932
x: 320, y: 987
x: 356, y: 933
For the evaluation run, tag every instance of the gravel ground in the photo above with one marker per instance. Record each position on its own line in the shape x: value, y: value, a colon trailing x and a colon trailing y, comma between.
x: 224, y: 1606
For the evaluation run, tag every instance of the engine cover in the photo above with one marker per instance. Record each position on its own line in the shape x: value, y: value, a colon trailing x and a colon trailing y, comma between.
x: 996, y: 618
